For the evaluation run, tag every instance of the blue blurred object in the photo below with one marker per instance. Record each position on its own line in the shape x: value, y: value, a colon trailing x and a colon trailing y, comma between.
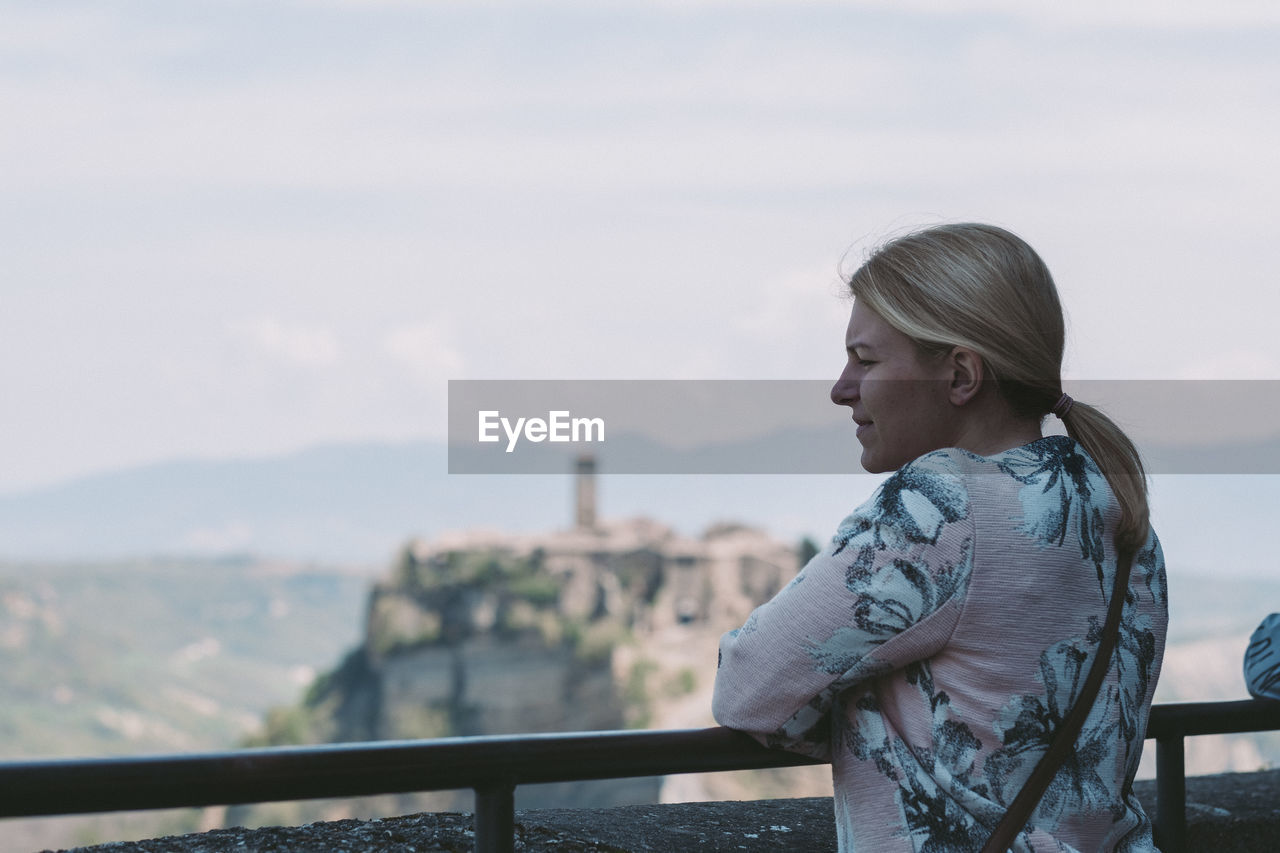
x: 1262, y: 659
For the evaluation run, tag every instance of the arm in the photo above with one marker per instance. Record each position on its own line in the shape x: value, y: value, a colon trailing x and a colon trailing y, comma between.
x: 873, y: 601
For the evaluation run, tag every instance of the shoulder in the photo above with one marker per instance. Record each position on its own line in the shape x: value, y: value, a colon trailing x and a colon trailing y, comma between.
x: 1055, y: 475
x: 1053, y: 457
x: 925, y: 498
x: 916, y: 504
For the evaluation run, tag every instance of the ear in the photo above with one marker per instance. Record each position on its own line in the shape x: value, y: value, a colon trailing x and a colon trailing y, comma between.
x: 966, y: 374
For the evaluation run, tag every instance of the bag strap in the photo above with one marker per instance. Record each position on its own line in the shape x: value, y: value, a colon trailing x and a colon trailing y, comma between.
x: 1019, y: 811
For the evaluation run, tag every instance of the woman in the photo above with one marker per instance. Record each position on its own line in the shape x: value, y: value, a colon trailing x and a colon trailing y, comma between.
x: 936, y: 644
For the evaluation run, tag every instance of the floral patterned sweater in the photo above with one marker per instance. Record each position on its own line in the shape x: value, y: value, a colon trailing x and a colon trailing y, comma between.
x: 932, y: 649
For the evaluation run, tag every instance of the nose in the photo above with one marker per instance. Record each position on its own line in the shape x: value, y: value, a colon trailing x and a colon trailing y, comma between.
x: 845, y: 391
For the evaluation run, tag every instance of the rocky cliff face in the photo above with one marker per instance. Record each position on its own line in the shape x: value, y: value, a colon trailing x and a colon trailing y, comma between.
x: 596, y: 628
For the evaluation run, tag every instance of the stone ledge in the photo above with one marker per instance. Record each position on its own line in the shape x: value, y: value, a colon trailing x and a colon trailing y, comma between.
x: 1227, y: 813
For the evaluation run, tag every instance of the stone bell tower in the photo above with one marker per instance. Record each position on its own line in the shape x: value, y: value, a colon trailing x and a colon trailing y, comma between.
x: 585, y: 515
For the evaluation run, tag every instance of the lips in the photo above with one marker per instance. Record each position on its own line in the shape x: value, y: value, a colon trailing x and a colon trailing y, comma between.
x: 863, y: 426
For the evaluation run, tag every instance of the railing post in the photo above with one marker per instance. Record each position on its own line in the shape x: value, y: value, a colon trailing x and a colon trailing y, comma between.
x: 496, y: 818
x: 1171, y: 795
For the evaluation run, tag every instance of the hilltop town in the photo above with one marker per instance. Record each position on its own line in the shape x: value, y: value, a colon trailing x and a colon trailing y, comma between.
x: 600, y: 625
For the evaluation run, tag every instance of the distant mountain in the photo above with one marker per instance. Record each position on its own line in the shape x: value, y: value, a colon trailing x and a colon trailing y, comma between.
x: 360, y: 502
x: 341, y: 502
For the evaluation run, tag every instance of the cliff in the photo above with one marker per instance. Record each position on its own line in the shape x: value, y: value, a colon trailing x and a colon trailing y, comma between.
x: 600, y: 627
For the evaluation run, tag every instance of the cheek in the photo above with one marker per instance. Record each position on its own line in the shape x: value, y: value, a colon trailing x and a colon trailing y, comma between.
x: 892, y: 397
x: 905, y: 405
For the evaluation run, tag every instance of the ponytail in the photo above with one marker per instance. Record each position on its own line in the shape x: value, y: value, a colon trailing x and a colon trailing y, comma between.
x: 1118, y: 458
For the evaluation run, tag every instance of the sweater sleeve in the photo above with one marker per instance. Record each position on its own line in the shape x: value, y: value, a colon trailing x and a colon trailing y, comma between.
x: 884, y: 593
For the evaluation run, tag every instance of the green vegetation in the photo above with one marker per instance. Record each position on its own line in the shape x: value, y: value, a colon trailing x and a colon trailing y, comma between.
x: 284, y: 726
x: 806, y: 551
x: 539, y: 590
x: 636, y: 694
x: 419, y: 722
x: 594, y: 642
x: 682, y: 683
x: 161, y: 655
x: 466, y: 568
x: 423, y: 607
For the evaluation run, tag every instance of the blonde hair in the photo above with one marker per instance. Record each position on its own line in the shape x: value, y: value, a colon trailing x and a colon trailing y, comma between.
x: 982, y: 287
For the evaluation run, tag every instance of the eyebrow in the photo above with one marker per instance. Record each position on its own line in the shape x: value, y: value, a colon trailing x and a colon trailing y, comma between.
x: 853, y: 345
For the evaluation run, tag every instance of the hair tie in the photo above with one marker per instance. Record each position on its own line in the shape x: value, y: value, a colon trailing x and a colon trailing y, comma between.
x: 1063, y: 406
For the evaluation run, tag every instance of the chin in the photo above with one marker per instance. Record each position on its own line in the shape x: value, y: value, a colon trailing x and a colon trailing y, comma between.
x: 872, y: 465
x: 877, y: 461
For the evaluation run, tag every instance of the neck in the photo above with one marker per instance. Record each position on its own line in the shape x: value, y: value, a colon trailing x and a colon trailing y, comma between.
x: 990, y: 444
x: 988, y: 427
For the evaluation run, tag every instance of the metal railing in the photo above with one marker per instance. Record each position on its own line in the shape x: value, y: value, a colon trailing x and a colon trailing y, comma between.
x: 494, y: 766
x: 1169, y: 725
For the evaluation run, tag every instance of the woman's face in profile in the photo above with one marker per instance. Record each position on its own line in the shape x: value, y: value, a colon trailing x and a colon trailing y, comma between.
x: 898, y: 395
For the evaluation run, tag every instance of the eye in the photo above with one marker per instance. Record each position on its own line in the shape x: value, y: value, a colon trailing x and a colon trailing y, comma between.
x: 861, y: 361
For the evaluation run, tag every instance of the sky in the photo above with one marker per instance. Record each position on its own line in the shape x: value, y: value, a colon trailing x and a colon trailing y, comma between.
x: 243, y: 228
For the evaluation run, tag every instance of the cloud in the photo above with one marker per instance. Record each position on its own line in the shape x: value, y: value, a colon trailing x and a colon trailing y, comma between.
x: 425, y: 349
x: 1167, y: 13
x: 1238, y: 363
x: 750, y: 102
x: 304, y: 346
x: 646, y: 190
